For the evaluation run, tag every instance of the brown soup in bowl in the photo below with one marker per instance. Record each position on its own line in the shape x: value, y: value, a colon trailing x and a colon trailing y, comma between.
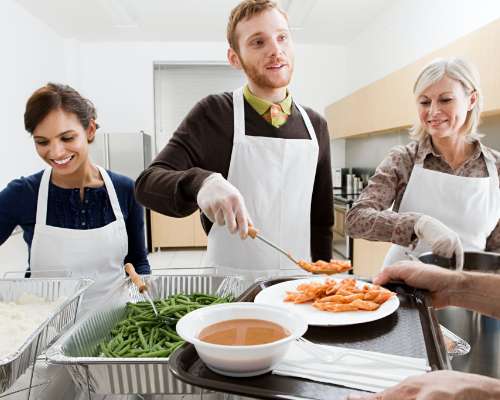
x: 243, y: 332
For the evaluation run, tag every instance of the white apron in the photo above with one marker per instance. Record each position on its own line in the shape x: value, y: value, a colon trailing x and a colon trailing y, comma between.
x: 468, y: 206
x: 97, y: 254
x: 276, y: 178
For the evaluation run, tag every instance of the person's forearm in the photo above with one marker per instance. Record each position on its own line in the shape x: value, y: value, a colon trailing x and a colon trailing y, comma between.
x: 479, y: 292
x: 7, y: 222
x: 170, y: 192
x: 384, y: 226
x: 137, y: 252
x: 486, y: 388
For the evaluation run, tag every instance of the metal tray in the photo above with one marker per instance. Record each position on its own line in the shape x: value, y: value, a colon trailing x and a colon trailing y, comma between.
x: 411, y: 331
x: 13, y: 366
x: 77, y: 349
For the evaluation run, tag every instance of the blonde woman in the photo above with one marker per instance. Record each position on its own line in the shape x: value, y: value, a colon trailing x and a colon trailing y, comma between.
x: 443, y: 186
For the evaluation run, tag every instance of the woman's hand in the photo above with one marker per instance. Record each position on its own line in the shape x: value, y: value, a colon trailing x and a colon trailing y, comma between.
x: 439, y: 385
x: 440, y: 282
x: 443, y: 240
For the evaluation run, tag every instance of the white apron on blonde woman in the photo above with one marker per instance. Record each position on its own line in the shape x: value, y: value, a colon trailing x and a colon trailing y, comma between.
x: 468, y: 206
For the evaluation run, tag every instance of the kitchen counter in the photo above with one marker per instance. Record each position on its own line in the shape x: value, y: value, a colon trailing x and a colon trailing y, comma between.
x: 340, y: 196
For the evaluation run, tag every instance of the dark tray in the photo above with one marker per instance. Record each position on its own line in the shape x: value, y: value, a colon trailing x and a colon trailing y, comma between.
x: 412, y: 331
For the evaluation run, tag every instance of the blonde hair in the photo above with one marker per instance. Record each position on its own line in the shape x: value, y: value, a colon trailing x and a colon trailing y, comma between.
x: 461, y: 71
x: 245, y: 10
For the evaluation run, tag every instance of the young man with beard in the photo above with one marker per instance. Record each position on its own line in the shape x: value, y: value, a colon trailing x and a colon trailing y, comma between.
x: 253, y: 156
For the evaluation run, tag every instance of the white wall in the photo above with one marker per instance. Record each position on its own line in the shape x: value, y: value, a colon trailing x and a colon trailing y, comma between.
x: 118, y: 77
x: 320, y: 74
x: 410, y: 29
x: 32, y: 54
x: 403, y: 33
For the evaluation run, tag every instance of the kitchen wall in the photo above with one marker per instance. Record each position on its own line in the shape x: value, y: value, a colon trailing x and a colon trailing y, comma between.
x: 32, y: 54
x: 119, y: 76
x: 369, y: 151
x: 410, y: 29
x: 403, y: 33
x: 490, y: 127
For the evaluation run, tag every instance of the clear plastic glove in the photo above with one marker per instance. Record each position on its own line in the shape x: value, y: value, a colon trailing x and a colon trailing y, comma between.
x: 443, y: 240
x: 223, y: 204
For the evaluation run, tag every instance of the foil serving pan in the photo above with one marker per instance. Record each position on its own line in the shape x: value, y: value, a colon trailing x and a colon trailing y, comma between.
x: 78, y: 348
x: 15, y: 364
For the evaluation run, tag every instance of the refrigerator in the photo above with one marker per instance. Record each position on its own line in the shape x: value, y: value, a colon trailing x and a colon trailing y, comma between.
x: 127, y: 153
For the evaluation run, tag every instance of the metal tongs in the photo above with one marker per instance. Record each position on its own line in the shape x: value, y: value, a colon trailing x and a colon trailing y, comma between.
x: 254, y: 233
x: 143, y: 288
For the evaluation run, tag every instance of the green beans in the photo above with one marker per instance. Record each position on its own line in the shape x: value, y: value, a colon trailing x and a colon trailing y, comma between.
x: 144, y: 335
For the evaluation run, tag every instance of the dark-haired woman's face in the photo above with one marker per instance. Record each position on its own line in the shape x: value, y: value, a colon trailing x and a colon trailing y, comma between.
x: 62, y: 142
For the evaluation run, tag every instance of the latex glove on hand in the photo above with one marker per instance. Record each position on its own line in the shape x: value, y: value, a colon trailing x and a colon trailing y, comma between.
x: 444, y: 242
x: 223, y: 204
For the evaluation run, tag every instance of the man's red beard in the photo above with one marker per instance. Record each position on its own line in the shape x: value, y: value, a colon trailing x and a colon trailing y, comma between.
x: 263, y: 80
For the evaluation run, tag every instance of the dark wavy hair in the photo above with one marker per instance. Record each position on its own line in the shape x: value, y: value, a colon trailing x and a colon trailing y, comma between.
x: 55, y: 96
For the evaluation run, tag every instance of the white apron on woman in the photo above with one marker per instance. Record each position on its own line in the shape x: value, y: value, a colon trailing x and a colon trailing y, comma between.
x: 468, y: 206
x: 97, y: 254
x: 276, y: 178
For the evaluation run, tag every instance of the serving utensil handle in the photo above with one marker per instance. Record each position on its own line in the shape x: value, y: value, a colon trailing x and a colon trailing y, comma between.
x: 135, y: 277
x: 252, y: 232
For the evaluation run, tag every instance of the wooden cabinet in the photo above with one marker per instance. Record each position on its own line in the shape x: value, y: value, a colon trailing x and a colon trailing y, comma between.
x: 368, y: 256
x: 389, y: 103
x: 339, y: 224
x: 177, y: 232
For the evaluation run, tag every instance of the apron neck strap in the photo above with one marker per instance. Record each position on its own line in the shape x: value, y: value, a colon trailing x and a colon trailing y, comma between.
x: 490, y: 165
x: 307, y: 121
x: 239, y: 115
x: 43, y: 195
x: 113, y: 198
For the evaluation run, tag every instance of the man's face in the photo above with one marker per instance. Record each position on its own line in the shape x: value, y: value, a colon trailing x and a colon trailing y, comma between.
x: 266, y: 52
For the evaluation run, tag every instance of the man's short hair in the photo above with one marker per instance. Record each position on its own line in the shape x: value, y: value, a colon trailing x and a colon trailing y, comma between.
x: 247, y: 9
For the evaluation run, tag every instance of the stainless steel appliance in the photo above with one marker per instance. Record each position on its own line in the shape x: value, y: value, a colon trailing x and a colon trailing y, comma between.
x: 480, y: 331
x: 343, y: 199
x: 127, y: 154
x: 342, y: 243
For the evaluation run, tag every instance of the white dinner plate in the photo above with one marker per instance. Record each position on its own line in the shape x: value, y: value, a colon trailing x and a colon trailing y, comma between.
x: 274, y: 295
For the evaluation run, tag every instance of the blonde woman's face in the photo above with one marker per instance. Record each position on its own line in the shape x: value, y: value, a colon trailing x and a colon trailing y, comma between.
x: 443, y: 106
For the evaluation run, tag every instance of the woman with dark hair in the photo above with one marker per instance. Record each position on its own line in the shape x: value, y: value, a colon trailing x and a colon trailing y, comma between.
x: 78, y: 219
